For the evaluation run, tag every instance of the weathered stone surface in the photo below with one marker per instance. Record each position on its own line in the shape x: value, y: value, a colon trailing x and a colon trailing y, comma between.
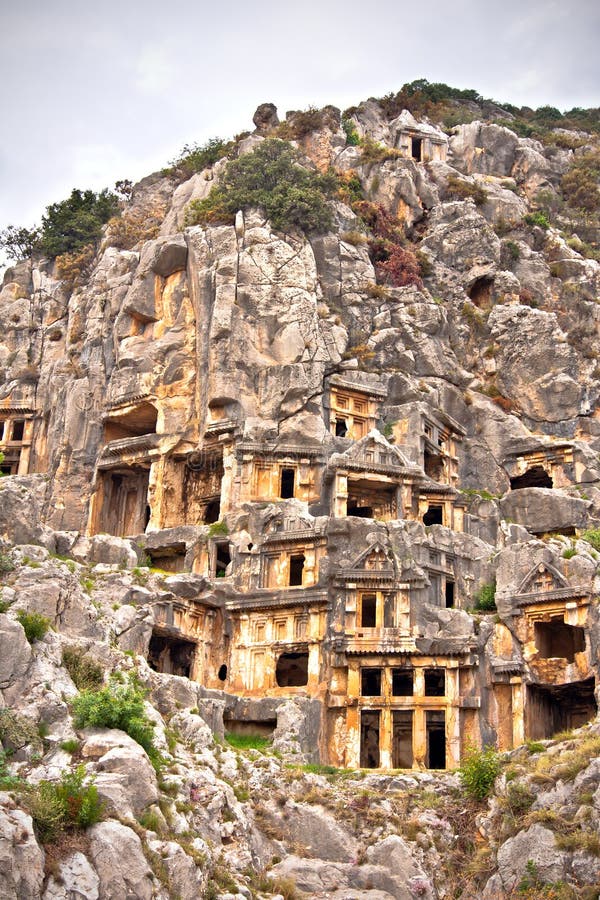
x: 75, y: 880
x: 15, y: 651
x: 117, y: 855
x: 536, y: 844
x: 21, y: 858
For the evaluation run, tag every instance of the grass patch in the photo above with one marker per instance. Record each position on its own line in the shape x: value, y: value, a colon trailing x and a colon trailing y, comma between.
x: 248, y: 741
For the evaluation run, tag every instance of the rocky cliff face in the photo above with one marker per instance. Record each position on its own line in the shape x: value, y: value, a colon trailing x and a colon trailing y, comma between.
x: 340, y: 491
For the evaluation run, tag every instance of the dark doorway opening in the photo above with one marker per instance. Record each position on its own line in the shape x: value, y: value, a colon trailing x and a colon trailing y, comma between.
x: 222, y: 673
x: 368, y: 611
x: 370, y: 682
x: 435, y: 726
x: 416, y: 148
x: 341, y: 428
x: 534, y: 477
x: 369, y: 739
x: 449, y: 592
x: 402, y: 739
x: 222, y: 559
x: 554, y: 639
x: 296, y: 569
x: 212, y: 511
x: 171, y: 655
x: 288, y: 478
x: 402, y: 682
x: 292, y: 670
x: 434, y: 515
x: 554, y: 708
x: 18, y: 430
x: 435, y: 682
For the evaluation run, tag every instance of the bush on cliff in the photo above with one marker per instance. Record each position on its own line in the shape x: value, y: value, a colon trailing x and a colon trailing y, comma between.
x: 271, y: 178
x: 118, y: 705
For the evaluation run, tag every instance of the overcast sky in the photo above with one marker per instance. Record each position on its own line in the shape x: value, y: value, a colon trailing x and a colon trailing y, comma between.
x: 94, y: 92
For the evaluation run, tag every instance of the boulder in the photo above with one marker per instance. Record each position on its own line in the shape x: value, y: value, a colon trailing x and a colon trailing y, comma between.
x: 118, y: 857
x: 21, y: 858
x: 75, y: 880
x: 15, y: 651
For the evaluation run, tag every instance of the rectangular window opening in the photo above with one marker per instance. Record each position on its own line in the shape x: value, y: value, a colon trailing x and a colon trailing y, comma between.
x: 368, y: 611
x: 296, y: 569
x: 402, y: 682
x: 435, y: 682
x: 287, y: 483
x: 370, y: 682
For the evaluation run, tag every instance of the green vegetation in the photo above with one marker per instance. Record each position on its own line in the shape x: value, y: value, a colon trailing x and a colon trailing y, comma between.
x: 34, y: 624
x: 7, y: 781
x: 218, y: 528
x: 352, y: 137
x: 120, y: 704
x: 538, y: 218
x: 248, y: 741
x: 87, y: 675
x: 592, y: 536
x: 485, y: 598
x: 67, y: 805
x: 271, y: 178
x: 374, y: 152
x: 478, y: 771
x: 196, y: 157
x: 6, y: 564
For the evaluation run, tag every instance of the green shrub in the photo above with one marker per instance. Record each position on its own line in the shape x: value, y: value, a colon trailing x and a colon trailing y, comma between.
x: 592, y: 536
x: 218, y: 528
x: 352, y: 136
x: 87, y: 675
x: 538, y: 218
x: 271, y: 178
x: 196, y: 157
x: 7, y: 781
x: 6, y: 563
x: 478, y: 771
x: 70, y: 746
x: 66, y: 805
x: 120, y: 704
x: 34, y: 624
x: 485, y: 598
x: 374, y: 152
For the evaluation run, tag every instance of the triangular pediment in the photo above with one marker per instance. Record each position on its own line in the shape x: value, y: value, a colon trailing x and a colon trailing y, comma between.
x: 373, y: 450
x: 375, y: 558
x: 541, y: 579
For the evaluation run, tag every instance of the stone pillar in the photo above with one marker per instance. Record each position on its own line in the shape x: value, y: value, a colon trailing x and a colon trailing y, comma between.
x: 518, y: 711
x: 419, y: 738
x: 385, y: 738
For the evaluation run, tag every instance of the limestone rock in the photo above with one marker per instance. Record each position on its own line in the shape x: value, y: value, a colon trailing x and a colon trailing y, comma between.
x: 118, y: 858
x: 21, y: 858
